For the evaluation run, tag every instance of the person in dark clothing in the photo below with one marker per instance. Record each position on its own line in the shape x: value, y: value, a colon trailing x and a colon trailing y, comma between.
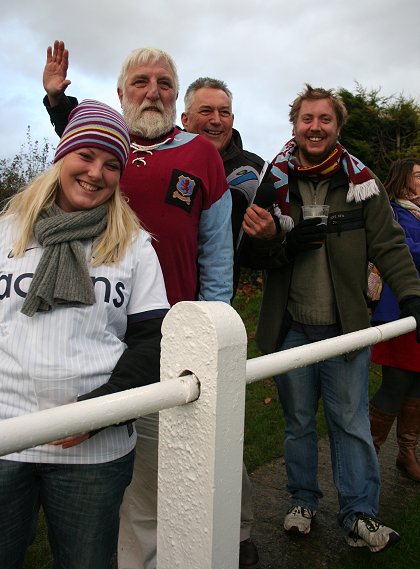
x: 208, y: 112
x: 315, y: 288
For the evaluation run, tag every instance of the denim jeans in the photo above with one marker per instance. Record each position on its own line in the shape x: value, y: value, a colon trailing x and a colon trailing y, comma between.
x: 343, y: 386
x: 81, y: 505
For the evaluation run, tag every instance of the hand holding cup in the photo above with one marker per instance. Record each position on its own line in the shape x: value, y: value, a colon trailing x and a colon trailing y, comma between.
x: 307, y: 235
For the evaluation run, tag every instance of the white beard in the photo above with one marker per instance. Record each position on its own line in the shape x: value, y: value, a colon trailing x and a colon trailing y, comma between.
x: 148, y: 124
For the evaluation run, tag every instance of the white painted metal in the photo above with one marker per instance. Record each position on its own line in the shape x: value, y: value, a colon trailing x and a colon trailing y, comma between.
x: 200, y: 454
x: 201, y: 445
x: 28, y: 431
x: 280, y: 362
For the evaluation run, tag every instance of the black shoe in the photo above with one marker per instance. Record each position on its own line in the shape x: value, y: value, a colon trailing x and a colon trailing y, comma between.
x: 248, y: 555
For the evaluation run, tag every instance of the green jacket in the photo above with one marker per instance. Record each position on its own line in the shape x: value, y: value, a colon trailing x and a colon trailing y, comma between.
x: 356, y: 233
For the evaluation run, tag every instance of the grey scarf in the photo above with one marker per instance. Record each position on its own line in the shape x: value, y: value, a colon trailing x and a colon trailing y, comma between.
x: 62, y: 275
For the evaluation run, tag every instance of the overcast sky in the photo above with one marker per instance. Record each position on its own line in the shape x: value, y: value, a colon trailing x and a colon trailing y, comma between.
x: 264, y: 50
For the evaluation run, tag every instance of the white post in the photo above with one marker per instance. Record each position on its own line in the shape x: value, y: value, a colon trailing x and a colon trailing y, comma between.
x: 201, y: 444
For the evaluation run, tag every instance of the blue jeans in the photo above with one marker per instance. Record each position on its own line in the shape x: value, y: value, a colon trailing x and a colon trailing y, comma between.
x: 81, y: 505
x: 343, y: 386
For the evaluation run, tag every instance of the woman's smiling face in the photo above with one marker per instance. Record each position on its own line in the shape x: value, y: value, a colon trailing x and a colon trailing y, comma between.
x: 88, y: 178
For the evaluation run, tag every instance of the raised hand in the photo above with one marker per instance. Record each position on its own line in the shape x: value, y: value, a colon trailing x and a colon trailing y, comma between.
x: 55, y: 72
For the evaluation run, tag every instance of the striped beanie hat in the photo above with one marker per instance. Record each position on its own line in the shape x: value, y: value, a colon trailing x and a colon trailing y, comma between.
x: 93, y: 123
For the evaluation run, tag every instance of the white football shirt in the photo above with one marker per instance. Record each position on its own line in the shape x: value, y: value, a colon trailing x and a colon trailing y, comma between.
x: 79, y: 344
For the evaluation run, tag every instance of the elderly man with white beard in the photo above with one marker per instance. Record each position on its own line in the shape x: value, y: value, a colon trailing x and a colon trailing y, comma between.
x: 176, y: 184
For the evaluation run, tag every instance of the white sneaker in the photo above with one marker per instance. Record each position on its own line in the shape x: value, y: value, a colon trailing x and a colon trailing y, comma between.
x: 369, y: 532
x: 298, y: 520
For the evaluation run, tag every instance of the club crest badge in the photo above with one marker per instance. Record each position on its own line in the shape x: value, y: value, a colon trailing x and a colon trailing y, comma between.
x: 182, y: 190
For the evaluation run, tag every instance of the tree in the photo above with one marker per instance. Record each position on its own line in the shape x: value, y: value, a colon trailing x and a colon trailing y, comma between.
x: 401, y: 127
x: 17, y: 172
x: 380, y: 129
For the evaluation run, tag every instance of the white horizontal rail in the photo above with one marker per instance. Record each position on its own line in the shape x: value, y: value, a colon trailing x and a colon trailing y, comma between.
x: 280, y: 362
x: 27, y: 431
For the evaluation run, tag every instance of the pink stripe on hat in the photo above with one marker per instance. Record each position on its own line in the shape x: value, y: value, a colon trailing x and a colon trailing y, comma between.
x: 95, y: 124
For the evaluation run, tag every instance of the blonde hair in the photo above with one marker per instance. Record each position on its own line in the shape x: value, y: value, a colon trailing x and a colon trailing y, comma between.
x: 27, y: 204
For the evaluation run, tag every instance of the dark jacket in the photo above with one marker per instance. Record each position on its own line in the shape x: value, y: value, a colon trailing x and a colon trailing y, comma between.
x: 356, y: 233
x: 59, y: 115
x: 243, y: 171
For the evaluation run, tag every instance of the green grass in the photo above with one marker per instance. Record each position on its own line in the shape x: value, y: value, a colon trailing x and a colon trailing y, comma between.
x: 263, y: 420
x: 264, y: 425
x: 403, y: 555
x: 38, y: 555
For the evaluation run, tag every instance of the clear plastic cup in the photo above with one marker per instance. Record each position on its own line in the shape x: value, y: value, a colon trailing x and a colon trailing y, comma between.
x: 316, y: 210
x: 54, y: 392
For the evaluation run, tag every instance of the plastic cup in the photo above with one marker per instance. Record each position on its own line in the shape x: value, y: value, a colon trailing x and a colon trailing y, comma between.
x: 316, y: 210
x: 54, y: 392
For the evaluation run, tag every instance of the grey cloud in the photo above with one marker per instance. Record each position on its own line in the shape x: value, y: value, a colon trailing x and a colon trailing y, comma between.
x: 265, y: 52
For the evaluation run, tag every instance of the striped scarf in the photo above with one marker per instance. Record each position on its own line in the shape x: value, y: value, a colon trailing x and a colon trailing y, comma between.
x: 361, y: 183
x: 411, y: 204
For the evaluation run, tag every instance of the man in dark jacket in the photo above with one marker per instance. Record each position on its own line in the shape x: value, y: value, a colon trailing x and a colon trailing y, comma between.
x: 315, y: 288
x: 208, y: 111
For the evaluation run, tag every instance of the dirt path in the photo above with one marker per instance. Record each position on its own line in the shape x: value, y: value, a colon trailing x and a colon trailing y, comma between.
x: 324, y: 546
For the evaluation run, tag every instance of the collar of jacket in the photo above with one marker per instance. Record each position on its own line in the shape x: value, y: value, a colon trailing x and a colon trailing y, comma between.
x: 234, y: 148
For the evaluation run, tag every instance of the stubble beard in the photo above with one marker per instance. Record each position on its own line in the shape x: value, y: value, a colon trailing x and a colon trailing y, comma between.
x: 148, y: 124
x: 315, y: 159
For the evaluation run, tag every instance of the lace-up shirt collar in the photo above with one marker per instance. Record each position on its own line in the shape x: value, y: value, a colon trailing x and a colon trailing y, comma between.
x: 143, y: 147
